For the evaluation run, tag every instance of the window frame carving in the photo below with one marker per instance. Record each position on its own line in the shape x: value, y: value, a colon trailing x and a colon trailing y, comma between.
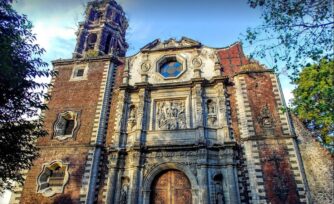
x: 62, y: 117
x: 162, y: 60
x: 75, y: 70
x: 43, y: 186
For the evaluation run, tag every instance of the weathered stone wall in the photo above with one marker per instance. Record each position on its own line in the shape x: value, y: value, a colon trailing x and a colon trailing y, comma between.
x: 318, y: 165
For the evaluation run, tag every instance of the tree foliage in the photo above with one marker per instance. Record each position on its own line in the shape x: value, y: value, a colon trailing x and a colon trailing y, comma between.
x: 313, y: 101
x: 21, y: 96
x: 293, y: 32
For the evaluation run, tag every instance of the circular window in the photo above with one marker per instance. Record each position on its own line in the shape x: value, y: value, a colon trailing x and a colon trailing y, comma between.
x: 170, y: 67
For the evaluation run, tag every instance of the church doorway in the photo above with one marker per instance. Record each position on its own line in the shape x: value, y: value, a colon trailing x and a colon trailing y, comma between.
x: 171, y: 187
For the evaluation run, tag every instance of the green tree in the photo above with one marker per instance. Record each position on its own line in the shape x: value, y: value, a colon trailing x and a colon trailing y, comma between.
x: 21, y: 96
x: 313, y: 101
x: 292, y: 33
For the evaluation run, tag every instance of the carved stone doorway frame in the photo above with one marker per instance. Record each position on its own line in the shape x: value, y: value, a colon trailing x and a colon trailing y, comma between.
x: 149, y: 178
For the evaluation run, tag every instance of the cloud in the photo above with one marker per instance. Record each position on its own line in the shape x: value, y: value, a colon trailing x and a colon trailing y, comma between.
x: 288, y: 95
x: 47, y: 32
x: 54, y: 23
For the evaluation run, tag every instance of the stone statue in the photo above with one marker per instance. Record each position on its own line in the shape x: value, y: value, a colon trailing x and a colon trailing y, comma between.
x: 211, y: 107
x: 124, y: 194
x: 212, y: 115
x: 132, y: 121
x: 219, y: 189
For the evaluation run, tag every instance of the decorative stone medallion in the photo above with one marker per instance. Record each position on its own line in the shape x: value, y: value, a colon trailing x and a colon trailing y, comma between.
x: 197, y: 62
x: 146, y: 66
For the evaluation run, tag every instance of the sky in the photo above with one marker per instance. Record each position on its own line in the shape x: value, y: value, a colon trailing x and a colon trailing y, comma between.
x: 215, y: 23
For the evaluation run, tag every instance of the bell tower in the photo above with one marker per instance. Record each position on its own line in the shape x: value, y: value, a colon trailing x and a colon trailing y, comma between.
x: 103, y: 30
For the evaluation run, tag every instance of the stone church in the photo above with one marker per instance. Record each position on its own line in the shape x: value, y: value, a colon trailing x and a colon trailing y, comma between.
x: 177, y: 123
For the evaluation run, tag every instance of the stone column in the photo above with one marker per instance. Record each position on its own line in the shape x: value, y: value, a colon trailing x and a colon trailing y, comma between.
x: 119, y: 121
x: 233, y: 184
x: 202, y: 176
x: 197, y: 98
x: 223, y: 133
x: 112, y: 175
x: 135, y: 171
x: 119, y: 174
x: 230, y: 176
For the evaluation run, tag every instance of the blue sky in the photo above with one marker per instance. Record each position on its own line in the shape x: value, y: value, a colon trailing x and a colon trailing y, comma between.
x: 215, y: 23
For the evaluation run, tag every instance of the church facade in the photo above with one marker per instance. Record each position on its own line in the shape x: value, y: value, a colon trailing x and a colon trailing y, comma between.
x: 178, y: 122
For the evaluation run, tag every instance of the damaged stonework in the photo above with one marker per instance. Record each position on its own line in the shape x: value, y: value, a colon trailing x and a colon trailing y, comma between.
x: 318, y: 165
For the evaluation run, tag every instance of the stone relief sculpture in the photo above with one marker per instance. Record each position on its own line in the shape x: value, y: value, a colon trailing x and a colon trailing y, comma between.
x: 212, y: 113
x: 132, y: 121
x: 197, y: 62
x: 124, y: 193
x: 266, y: 121
x: 171, y: 115
x: 218, y: 188
x: 265, y: 117
x: 146, y: 65
x: 197, y: 91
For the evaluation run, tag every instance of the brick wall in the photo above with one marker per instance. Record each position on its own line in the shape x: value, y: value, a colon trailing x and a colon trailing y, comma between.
x: 251, y: 87
x: 82, y: 96
x: 260, y: 93
x: 231, y: 58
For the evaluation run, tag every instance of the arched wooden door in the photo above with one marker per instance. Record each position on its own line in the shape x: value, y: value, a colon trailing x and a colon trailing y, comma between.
x: 171, y: 187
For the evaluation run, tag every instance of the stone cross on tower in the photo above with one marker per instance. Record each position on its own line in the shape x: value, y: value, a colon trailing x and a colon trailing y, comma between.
x: 103, y: 30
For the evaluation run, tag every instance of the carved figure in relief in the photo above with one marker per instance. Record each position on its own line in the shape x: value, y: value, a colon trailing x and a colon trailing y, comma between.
x: 219, y: 191
x: 265, y: 118
x: 212, y: 114
x: 211, y: 107
x: 124, y: 194
x: 198, y: 99
x: 171, y: 115
x: 266, y: 121
x: 132, y: 121
x: 197, y: 62
x: 124, y: 191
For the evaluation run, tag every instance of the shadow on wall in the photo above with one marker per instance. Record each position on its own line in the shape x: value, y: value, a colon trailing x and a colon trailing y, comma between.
x: 63, y: 199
